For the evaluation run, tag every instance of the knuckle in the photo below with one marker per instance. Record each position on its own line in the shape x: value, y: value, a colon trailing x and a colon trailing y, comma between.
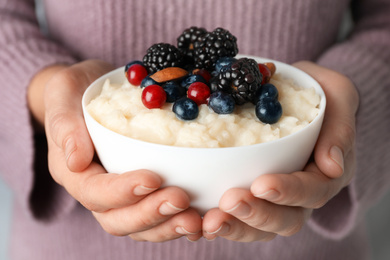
x: 296, y: 226
x: 268, y: 237
x: 107, y: 225
x: 348, y: 132
x: 264, y: 219
x: 324, y: 197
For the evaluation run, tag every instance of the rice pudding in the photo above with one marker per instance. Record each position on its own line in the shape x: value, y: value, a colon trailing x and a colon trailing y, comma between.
x: 120, y: 109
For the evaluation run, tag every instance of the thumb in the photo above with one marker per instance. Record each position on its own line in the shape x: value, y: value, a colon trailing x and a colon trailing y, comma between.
x: 64, y: 121
x: 337, y: 136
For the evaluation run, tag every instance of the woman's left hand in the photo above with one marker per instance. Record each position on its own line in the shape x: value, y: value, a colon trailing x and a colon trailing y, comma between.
x: 280, y: 204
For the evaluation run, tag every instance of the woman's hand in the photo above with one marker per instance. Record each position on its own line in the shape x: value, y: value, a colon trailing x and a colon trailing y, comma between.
x: 280, y: 204
x: 132, y: 203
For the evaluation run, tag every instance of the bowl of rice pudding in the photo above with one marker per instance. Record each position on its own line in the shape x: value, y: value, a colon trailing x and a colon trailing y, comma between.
x: 212, y: 153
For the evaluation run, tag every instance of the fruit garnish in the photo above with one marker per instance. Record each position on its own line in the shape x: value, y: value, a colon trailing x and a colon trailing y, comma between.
x: 202, y: 69
x: 199, y: 92
x: 147, y: 81
x: 162, y: 55
x: 136, y: 73
x: 268, y: 110
x: 221, y: 103
x: 267, y: 91
x: 266, y: 73
x: 185, y: 109
x: 212, y: 46
x: 188, y: 80
x: 205, y: 74
x: 241, y: 80
x: 186, y: 40
x: 153, y: 96
x: 174, y: 91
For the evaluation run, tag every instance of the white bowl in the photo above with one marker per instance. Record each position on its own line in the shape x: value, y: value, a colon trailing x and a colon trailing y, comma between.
x: 205, y: 173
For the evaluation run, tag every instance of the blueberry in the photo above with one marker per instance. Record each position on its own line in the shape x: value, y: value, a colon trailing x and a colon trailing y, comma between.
x: 174, y: 91
x: 223, y: 62
x: 185, y: 109
x: 128, y: 65
x: 187, y: 81
x: 221, y: 103
x: 267, y: 91
x: 147, y: 81
x: 268, y: 110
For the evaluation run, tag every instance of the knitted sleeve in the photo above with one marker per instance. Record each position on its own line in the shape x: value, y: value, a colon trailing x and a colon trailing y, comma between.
x: 23, y: 52
x: 364, y: 57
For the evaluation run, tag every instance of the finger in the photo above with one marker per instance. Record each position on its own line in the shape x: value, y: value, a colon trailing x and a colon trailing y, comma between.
x: 187, y: 223
x: 309, y: 188
x: 337, y: 136
x: 147, y: 213
x: 64, y: 119
x: 261, y: 214
x: 217, y: 223
x: 97, y: 190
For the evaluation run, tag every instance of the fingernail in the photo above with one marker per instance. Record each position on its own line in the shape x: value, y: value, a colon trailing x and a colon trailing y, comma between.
x: 70, y: 147
x: 242, y: 209
x: 337, y: 155
x: 222, y: 230
x: 268, y: 195
x: 168, y: 209
x: 183, y: 231
x: 142, y: 190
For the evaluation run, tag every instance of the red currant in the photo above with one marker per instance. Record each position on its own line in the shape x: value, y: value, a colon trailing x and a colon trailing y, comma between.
x: 136, y: 73
x: 153, y: 96
x: 266, y: 73
x: 199, y: 92
x: 202, y: 72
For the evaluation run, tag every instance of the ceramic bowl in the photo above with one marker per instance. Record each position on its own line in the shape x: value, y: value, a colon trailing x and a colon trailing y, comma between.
x: 206, y: 173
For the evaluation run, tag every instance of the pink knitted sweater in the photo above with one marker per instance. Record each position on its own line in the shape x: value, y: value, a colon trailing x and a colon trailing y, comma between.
x: 49, y: 224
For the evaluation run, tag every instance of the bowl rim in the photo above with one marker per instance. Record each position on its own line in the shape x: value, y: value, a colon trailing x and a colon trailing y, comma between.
x: 317, y: 86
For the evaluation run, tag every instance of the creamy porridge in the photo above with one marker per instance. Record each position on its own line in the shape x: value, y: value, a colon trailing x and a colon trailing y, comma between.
x: 120, y: 109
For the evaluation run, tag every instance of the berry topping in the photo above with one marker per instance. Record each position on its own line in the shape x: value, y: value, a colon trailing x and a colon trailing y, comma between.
x: 136, y: 73
x: 153, y: 96
x: 202, y: 69
x: 202, y: 72
x: 132, y: 63
x: 185, y: 109
x: 265, y: 71
x: 147, y: 81
x: 212, y: 46
x: 241, y: 80
x: 199, y: 92
x: 221, y: 103
x: 223, y: 62
x: 267, y: 91
x: 187, y: 81
x: 185, y: 42
x: 162, y: 55
x: 174, y: 91
x: 268, y: 110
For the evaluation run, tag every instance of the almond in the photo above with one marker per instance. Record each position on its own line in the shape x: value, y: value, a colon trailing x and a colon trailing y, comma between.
x: 168, y: 74
x: 271, y: 67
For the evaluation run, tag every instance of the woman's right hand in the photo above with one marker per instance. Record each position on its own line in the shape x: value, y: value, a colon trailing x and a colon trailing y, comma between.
x: 131, y: 203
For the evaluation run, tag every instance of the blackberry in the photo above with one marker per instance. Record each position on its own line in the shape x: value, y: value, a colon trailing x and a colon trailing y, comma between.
x: 162, y: 55
x: 241, y: 80
x: 186, y: 40
x: 212, y: 46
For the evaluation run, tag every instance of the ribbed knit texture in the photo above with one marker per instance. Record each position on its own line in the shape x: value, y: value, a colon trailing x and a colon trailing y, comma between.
x: 118, y: 31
